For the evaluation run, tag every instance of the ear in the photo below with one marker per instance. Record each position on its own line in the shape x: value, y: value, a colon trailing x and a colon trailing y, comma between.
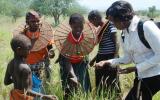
x: 18, y: 49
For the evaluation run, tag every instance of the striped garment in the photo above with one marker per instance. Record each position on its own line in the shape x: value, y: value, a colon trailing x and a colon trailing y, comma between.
x: 107, y: 44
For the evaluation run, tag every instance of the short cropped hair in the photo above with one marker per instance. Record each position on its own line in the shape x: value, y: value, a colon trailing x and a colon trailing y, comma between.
x: 20, y: 40
x: 94, y: 14
x: 74, y: 17
x: 32, y: 13
x: 121, y: 10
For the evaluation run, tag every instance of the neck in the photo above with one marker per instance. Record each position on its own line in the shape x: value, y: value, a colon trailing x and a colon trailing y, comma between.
x: 76, y: 36
x: 20, y: 58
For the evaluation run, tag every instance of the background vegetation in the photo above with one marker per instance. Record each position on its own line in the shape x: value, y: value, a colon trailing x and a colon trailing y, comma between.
x: 12, y: 14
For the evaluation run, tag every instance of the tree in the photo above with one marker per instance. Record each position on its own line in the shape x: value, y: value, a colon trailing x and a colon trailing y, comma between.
x: 152, y: 11
x: 14, y: 8
x: 55, y: 8
x: 5, y: 7
x: 76, y: 7
x: 18, y: 8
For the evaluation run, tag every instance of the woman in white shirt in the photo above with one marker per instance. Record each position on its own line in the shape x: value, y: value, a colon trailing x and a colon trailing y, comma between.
x: 146, y: 60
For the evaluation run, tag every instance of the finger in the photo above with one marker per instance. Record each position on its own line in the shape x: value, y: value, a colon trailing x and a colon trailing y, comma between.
x: 98, y: 67
x: 122, y: 71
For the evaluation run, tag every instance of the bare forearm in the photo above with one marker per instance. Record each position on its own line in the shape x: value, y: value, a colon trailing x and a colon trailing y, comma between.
x: 42, y: 96
x: 34, y: 94
x: 8, y: 81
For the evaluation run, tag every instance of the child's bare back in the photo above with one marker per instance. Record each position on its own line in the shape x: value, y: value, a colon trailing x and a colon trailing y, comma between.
x: 20, y: 73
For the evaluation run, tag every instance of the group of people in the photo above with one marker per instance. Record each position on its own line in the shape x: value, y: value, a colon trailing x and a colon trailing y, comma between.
x: 29, y: 69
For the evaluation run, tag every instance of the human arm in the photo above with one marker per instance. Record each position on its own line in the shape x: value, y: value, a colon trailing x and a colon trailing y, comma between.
x: 8, y: 79
x: 113, y: 34
x: 127, y: 70
x: 152, y: 35
x: 115, y: 40
x: 42, y: 96
x: 26, y: 79
x: 116, y: 61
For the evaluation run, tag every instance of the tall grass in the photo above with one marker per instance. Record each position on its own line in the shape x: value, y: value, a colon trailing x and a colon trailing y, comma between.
x: 54, y: 87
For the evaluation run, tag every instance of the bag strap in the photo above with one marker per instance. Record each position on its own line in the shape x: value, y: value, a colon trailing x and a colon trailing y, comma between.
x: 102, y: 31
x: 141, y: 34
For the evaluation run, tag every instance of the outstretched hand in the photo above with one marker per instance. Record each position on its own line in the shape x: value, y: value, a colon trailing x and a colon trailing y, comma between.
x: 101, y: 64
x: 127, y: 70
x: 91, y: 63
x: 49, y: 97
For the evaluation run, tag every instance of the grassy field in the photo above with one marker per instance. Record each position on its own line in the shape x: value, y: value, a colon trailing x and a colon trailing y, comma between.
x: 6, y: 27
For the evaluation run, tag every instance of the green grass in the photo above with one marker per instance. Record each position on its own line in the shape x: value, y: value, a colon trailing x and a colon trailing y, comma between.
x: 54, y: 87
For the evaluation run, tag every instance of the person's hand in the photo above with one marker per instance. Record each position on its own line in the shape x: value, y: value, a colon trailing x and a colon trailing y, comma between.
x: 49, y: 97
x: 101, y: 64
x: 91, y: 63
x: 127, y: 70
x: 51, y: 53
x: 74, y: 81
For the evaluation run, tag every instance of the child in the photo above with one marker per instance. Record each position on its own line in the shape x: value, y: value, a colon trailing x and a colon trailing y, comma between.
x: 107, y: 77
x: 74, y: 69
x: 19, y: 73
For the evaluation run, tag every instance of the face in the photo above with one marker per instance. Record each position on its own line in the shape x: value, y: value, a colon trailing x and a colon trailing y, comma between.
x: 33, y: 23
x: 118, y: 24
x: 77, y: 28
x: 96, y: 22
x: 23, y: 52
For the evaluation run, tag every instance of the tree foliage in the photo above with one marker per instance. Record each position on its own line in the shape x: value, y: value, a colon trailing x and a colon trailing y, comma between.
x: 55, y: 8
x: 14, y: 8
x: 76, y: 7
x: 151, y: 12
x: 5, y: 7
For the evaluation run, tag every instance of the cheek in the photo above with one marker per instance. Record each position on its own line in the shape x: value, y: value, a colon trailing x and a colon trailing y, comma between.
x: 118, y: 25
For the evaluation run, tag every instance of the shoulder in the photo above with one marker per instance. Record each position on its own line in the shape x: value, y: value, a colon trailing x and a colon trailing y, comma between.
x: 10, y: 65
x: 112, y: 28
x: 150, y: 27
x: 24, y: 68
x: 149, y: 24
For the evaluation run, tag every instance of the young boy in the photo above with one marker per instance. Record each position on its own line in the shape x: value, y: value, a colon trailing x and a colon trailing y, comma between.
x: 19, y: 73
x: 74, y: 68
x: 106, y: 78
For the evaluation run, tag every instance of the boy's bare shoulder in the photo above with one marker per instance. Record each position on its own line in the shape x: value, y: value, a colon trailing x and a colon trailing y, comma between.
x: 10, y: 66
x: 25, y: 67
